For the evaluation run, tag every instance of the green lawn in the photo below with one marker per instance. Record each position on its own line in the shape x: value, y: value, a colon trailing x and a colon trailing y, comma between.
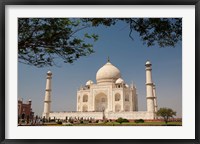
x: 131, y: 124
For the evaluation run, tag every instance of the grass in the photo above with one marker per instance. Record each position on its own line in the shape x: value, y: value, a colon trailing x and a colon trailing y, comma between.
x: 135, y: 124
x: 123, y: 124
x: 118, y: 124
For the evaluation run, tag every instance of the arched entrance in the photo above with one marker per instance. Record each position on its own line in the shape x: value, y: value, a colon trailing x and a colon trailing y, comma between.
x: 101, y: 102
x: 127, y: 108
x: 85, y: 108
x: 117, y: 107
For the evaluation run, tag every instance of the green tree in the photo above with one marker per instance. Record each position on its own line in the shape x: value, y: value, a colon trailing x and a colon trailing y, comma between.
x: 166, y: 114
x: 164, y: 32
x: 41, y: 41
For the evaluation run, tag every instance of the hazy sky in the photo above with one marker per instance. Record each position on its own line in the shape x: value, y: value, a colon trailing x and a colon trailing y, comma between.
x: 127, y: 55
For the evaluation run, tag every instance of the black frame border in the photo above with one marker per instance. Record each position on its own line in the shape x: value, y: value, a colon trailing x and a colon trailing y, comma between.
x: 3, y: 4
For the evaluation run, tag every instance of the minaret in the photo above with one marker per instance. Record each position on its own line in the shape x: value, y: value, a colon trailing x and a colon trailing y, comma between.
x: 155, y: 98
x: 47, y: 99
x: 149, y: 88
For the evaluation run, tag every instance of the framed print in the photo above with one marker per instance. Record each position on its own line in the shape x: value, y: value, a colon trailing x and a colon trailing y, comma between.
x: 99, y: 72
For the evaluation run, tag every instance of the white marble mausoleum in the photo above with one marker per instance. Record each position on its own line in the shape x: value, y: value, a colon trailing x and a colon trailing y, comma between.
x: 110, y: 97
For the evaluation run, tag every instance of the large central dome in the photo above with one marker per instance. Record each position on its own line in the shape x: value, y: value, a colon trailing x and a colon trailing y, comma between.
x: 107, y: 73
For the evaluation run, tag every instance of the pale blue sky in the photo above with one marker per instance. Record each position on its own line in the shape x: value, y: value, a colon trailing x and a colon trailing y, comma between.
x: 127, y: 55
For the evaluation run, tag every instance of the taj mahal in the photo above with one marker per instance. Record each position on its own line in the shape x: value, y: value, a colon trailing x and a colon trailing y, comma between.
x: 110, y: 97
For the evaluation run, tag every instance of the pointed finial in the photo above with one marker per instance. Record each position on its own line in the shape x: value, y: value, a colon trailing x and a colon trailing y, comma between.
x: 108, y: 59
x: 148, y: 63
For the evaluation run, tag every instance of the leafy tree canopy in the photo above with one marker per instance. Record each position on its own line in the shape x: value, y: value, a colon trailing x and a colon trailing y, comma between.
x: 161, y: 31
x: 166, y: 113
x: 42, y: 40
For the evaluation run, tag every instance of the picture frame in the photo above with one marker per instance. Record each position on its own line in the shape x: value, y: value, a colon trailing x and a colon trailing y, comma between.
x: 3, y: 5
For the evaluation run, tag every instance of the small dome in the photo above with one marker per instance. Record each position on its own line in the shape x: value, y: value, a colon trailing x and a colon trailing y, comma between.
x: 148, y: 62
x: 108, y: 73
x: 49, y: 73
x: 119, y: 81
x: 127, y: 85
x: 29, y: 100
x: 89, y: 83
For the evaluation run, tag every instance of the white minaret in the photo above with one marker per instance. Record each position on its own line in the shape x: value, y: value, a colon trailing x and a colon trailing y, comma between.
x: 155, y: 98
x: 149, y: 88
x: 47, y: 99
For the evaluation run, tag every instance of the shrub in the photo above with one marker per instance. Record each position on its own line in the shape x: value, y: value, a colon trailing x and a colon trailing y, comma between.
x: 121, y: 120
x: 139, y: 121
x: 125, y: 120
